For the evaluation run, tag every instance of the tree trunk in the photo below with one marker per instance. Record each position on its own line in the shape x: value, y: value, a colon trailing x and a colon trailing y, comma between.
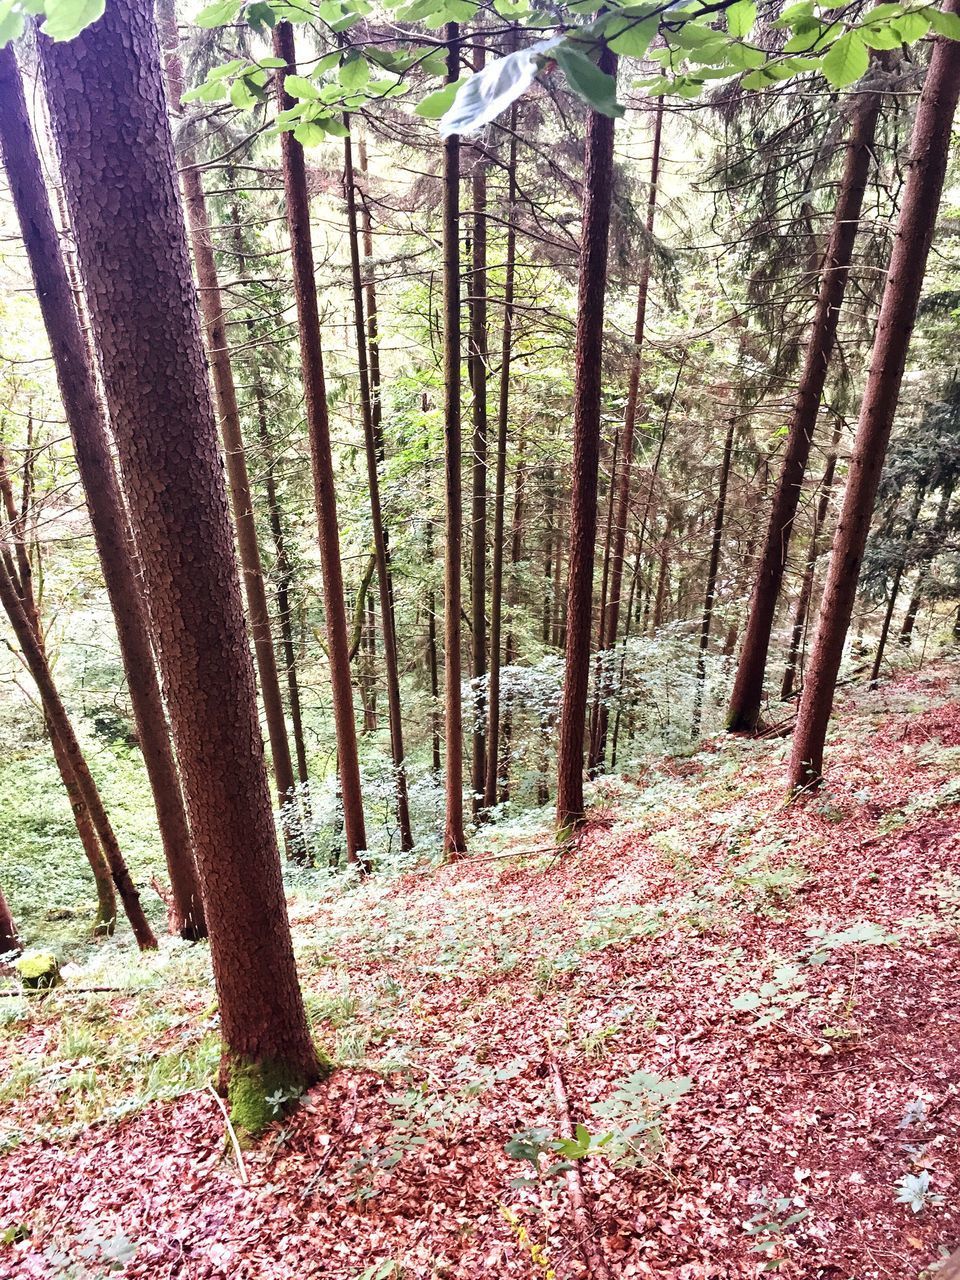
x: 117, y: 159
x: 108, y: 517
x: 9, y: 941
x: 810, y: 569
x: 929, y: 153
x: 225, y: 394
x: 913, y: 608
x: 744, y: 711
x: 76, y: 765
x: 588, y: 382
x: 601, y: 672
x: 908, y: 533
x: 321, y: 454
x: 381, y: 549
x: 105, y: 920
x: 712, y: 568
x: 625, y: 478
x: 513, y: 595
x: 500, y: 483
x: 433, y: 664
x: 454, y: 838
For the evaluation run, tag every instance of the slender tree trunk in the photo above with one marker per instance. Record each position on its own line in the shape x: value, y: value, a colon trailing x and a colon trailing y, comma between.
x: 9, y: 941
x: 601, y: 673
x: 62, y: 729
x: 908, y: 533
x: 433, y: 664
x: 117, y: 159
x: 712, y: 569
x: 90, y: 435
x: 929, y: 153
x: 513, y: 596
x: 810, y: 569
x: 745, y: 702
x: 106, y: 918
x: 913, y: 608
x: 381, y: 549
x: 479, y: 359
x: 454, y: 838
x: 559, y: 597
x: 588, y: 382
x: 611, y: 619
x: 318, y: 425
x: 550, y: 579
x: 500, y: 483
x: 225, y: 394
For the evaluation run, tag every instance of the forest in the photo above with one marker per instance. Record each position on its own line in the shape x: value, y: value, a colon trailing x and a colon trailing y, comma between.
x: 480, y: 639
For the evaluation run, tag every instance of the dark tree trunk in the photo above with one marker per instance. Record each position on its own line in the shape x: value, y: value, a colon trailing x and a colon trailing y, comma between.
x: 929, y: 153
x: 513, y: 596
x: 225, y: 394
x: 500, y: 483
x: 601, y: 673
x: 9, y: 941
x: 611, y: 620
x: 712, y: 569
x: 802, y: 613
x: 894, y: 592
x: 321, y: 454
x: 89, y: 431
x: 433, y: 664
x: 550, y: 580
x: 913, y: 608
x: 118, y: 164
x: 454, y: 838
x: 588, y: 384
x: 381, y: 548
x: 745, y: 702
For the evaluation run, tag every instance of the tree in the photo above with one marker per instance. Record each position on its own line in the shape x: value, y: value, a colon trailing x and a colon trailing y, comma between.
x: 109, y: 119
x: 9, y: 941
x: 747, y: 696
x: 588, y: 355
x: 716, y: 543
x: 321, y: 454
x: 929, y: 152
x: 89, y: 432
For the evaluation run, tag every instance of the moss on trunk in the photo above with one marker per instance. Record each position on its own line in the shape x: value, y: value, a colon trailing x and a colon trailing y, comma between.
x: 261, y: 1092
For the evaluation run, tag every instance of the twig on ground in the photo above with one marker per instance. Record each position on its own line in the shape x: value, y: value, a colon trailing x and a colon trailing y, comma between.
x: 583, y: 1222
x: 242, y: 1168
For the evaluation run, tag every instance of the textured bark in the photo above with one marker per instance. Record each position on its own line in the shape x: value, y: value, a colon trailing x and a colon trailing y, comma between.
x: 588, y: 356
x: 712, y: 569
x: 432, y: 663
x: 929, y: 153
x: 802, y: 612
x: 747, y: 697
x: 61, y: 727
x: 228, y: 409
x: 106, y: 918
x: 321, y: 454
x: 90, y: 435
x: 611, y: 615
x: 118, y: 165
x: 894, y: 591
x: 478, y: 363
x: 381, y: 548
x: 513, y: 596
x: 454, y: 838
x: 9, y: 941
x: 913, y: 608
x: 601, y: 677
x: 500, y: 481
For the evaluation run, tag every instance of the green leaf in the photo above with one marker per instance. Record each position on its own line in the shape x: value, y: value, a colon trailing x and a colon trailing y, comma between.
x: 300, y: 87
x: 261, y: 15
x: 847, y: 60
x: 240, y: 94
x: 435, y: 104
x: 218, y: 14
x: 309, y: 133
x: 880, y: 37
x: 586, y: 79
x: 790, y: 15
x: 740, y: 18
x: 631, y: 36
x: 354, y: 72
x: 67, y: 18
x: 11, y: 22
x: 945, y: 24
x: 335, y: 128
x: 911, y: 26
x: 745, y: 58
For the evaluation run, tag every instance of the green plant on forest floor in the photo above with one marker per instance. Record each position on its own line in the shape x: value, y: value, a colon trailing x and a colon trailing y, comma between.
x: 769, y: 1227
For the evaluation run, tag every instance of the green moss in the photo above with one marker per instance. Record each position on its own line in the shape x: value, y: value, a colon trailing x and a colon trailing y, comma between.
x: 39, y: 970
x: 260, y: 1092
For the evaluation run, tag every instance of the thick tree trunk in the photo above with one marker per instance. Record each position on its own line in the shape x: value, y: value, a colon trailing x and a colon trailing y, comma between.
x: 712, y: 569
x: 611, y: 620
x: 745, y: 702
x: 9, y: 941
x: 809, y: 572
x: 75, y: 763
x: 381, y: 549
x: 108, y: 516
x: 454, y: 838
x: 588, y: 382
x: 929, y: 153
x: 225, y: 394
x: 318, y: 426
x: 500, y: 482
x: 118, y: 164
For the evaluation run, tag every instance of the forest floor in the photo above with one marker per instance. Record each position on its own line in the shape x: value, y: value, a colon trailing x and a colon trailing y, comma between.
x: 759, y: 1003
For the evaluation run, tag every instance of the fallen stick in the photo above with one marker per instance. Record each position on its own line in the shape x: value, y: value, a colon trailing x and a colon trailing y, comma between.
x: 232, y: 1132
x: 583, y: 1222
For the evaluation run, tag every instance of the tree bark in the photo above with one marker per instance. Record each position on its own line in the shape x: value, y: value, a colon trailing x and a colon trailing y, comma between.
x: 108, y: 517
x: 745, y: 702
x: 318, y: 426
x: 913, y: 608
x: 588, y: 381
x: 454, y: 837
x: 9, y: 941
x: 712, y: 569
x: 118, y: 164
x: 929, y: 153
x: 381, y: 549
x: 894, y: 592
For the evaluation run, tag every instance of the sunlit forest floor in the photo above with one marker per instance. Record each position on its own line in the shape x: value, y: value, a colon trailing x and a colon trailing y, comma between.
x: 754, y: 1011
